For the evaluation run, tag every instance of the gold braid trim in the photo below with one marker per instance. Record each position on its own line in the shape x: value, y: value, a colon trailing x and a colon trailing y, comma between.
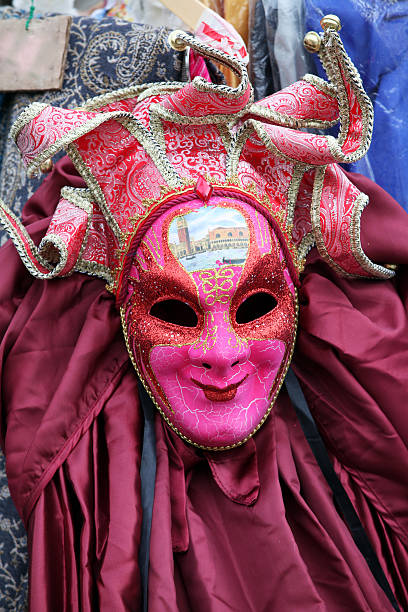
x: 376, y: 271
x: 320, y: 84
x: 238, y: 141
x: 287, y: 121
x: 28, y: 114
x: 332, y: 53
x: 366, y: 263
x: 5, y: 212
x: 94, y: 269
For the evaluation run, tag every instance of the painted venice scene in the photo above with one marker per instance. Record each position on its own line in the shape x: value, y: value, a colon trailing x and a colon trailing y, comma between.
x: 208, y: 238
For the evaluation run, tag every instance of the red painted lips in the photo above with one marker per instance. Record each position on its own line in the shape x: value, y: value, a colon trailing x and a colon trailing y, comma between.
x: 219, y: 394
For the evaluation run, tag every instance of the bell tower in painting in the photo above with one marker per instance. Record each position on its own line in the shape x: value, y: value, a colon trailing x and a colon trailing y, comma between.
x: 183, y: 234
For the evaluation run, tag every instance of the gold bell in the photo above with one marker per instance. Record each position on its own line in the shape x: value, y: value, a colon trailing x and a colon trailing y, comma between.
x: 312, y: 42
x: 175, y: 42
x: 46, y: 166
x: 331, y: 22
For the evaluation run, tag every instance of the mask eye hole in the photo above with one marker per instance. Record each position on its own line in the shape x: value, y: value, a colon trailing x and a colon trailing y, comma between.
x: 254, y: 307
x: 176, y: 312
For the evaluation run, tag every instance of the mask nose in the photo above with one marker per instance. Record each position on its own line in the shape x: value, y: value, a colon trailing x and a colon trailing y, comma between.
x: 220, y: 350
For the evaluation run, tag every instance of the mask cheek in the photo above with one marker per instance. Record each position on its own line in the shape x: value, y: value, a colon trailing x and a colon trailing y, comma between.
x: 267, y: 357
x: 169, y: 364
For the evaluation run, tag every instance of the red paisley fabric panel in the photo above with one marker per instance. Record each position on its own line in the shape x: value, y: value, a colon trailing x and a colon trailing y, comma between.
x: 195, y: 150
x: 123, y: 169
x: 300, y: 146
x: 354, y: 137
x: 69, y: 224
x: 302, y: 224
x: 188, y: 101
x: 47, y: 128
x: 101, y: 243
x: 302, y: 100
x: 336, y: 217
x: 274, y: 175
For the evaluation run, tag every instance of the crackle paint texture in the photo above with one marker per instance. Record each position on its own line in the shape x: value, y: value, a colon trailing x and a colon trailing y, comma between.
x: 214, y: 376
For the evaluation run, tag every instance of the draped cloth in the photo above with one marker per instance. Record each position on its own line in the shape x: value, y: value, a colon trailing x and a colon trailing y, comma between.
x: 250, y: 529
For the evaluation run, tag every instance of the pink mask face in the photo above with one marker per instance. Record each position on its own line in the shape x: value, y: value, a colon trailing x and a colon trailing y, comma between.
x: 211, y: 318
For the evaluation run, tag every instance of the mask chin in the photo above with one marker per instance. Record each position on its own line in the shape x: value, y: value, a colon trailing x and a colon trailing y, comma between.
x: 210, y: 319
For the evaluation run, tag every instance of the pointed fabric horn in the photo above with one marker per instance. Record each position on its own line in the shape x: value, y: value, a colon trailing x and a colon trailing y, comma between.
x: 308, y: 103
x: 200, y: 99
x: 314, y: 103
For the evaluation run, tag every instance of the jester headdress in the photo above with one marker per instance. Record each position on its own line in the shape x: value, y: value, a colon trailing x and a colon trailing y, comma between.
x: 199, y: 211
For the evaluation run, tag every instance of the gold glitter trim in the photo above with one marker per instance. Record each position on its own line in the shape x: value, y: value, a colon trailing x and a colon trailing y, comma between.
x: 321, y: 84
x: 19, y: 244
x: 366, y: 263
x: 293, y: 190
x: 173, y: 427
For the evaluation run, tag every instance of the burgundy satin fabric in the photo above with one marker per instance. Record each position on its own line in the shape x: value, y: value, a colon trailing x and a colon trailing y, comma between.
x: 252, y: 529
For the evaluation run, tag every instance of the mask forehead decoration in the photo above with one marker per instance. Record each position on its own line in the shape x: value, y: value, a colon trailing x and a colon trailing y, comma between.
x: 203, y: 205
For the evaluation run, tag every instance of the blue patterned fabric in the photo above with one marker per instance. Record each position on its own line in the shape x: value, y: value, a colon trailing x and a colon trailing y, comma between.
x: 102, y: 56
x: 13, y: 552
x: 375, y: 34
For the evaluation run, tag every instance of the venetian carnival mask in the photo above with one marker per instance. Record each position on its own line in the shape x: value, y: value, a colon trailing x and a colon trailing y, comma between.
x: 211, y: 318
x: 199, y: 211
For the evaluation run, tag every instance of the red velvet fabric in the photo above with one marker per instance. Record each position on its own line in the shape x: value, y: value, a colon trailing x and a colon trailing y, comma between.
x: 251, y: 529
